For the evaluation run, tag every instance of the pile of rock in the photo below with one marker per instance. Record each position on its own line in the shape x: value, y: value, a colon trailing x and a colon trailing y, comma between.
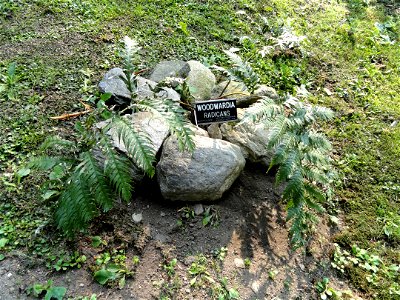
x: 221, y: 151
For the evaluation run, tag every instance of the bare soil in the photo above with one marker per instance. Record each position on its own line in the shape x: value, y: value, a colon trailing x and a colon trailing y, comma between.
x: 252, y: 225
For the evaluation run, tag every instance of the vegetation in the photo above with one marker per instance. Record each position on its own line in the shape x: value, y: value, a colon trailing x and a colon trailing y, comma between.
x: 342, y: 55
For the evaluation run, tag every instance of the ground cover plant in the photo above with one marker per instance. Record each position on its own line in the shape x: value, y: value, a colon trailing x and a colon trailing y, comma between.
x: 342, y: 55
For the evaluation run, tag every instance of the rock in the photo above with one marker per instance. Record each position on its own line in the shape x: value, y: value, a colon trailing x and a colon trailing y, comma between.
x: 265, y: 90
x: 198, y: 131
x: 251, y: 138
x: 255, y: 286
x: 169, y: 68
x: 239, y: 263
x: 214, y: 131
x: 198, y: 209
x: 137, y: 218
x: 233, y: 90
x: 145, y: 89
x: 203, y: 175
x: 201, y: 81
x: 152, y: 125
x: 112, y: 83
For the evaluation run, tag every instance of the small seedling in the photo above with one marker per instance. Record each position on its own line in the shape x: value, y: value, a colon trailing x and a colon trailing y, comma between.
x: 211, y: 217
x: 170, y: 267
x: 272, y: 274
x: 48, y: 290
x: 247, y: 262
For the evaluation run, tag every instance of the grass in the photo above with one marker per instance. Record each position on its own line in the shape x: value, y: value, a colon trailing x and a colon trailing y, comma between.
x: 349, y: 62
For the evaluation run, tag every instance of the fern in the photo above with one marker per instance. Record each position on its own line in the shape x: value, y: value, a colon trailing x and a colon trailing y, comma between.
x: 92, y: 173
x: 76, y: 205
x: 240, y: 71
x: 117, y: 169
x: 301, y: 155
x: 137, y: 143
x: 173, y: 115
x: 52, y: 141
x: 91, y: 181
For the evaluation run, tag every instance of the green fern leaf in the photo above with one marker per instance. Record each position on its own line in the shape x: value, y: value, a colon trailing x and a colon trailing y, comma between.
x: 294, y: 189
x: 116, y: 168
x: 47, y: 162
x: 76, y: 206
x: 287, y: 166
x: 173, y: 115
x: 53, y: 141
x: 93, y: 174
x: 137, y: 143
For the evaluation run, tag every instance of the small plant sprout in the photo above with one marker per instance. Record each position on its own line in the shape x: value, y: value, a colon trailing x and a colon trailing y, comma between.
x: 170, y: 267
x: 247, y: 262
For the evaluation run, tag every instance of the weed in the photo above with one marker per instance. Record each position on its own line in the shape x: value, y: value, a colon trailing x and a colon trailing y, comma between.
x: 8, y: 83
x: 327, y: 292
x: 247, y: 262
x: 211, y: 216
x: 48, y: 290
x: 221, y: 253
x: 68, y: 262
x: 272, y: 274
x: 376, y: 271
x: 170, y: 267
x: 111, y: 268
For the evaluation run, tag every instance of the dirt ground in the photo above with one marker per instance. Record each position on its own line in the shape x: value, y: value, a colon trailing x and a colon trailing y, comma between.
x: 251, y: 225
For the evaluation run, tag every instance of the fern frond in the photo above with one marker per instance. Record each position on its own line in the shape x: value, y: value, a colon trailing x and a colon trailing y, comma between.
x: 319, y: 140
x: 94, y: 175
x: 173, y: 115
x: 53, y: 141
x: 45, y: 162
x: 76, y: 206
x: 287, y: 166
x: 276, y: 132
x: 294, y: 189
x: 116, y: 168
x: 316, y: 157
x: 314, y: 174
x: 322, y: 113
x: 265, y: 108
x: 137, y: 143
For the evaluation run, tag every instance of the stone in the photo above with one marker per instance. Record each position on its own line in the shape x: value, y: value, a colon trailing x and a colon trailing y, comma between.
x: 214, y: 131
x: 198, y: 209
x: 251, y: 138
x: 265, y: 90
x: 112, y: 83
x: 137, y: 218
x: 198, y: 131
x: 233, y: 90
x: 203, y: 175
x: 169, y: 68
x: 152, y: 125
x: 145, y: 89
x: 239, y: 263
x: 201, y: 81
x: 255, y: 286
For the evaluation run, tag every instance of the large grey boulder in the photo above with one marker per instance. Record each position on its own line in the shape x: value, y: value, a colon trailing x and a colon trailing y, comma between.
x: 169, y: 68
x: 201, y: 81
x: 112, y: 83
x: 202, y: 176
x: 251, y: 138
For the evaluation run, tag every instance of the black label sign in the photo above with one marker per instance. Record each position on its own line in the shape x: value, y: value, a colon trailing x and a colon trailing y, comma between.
x: 215, y: 111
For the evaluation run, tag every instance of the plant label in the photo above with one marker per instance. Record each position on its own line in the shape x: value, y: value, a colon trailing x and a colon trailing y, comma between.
x: 215, y: 111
